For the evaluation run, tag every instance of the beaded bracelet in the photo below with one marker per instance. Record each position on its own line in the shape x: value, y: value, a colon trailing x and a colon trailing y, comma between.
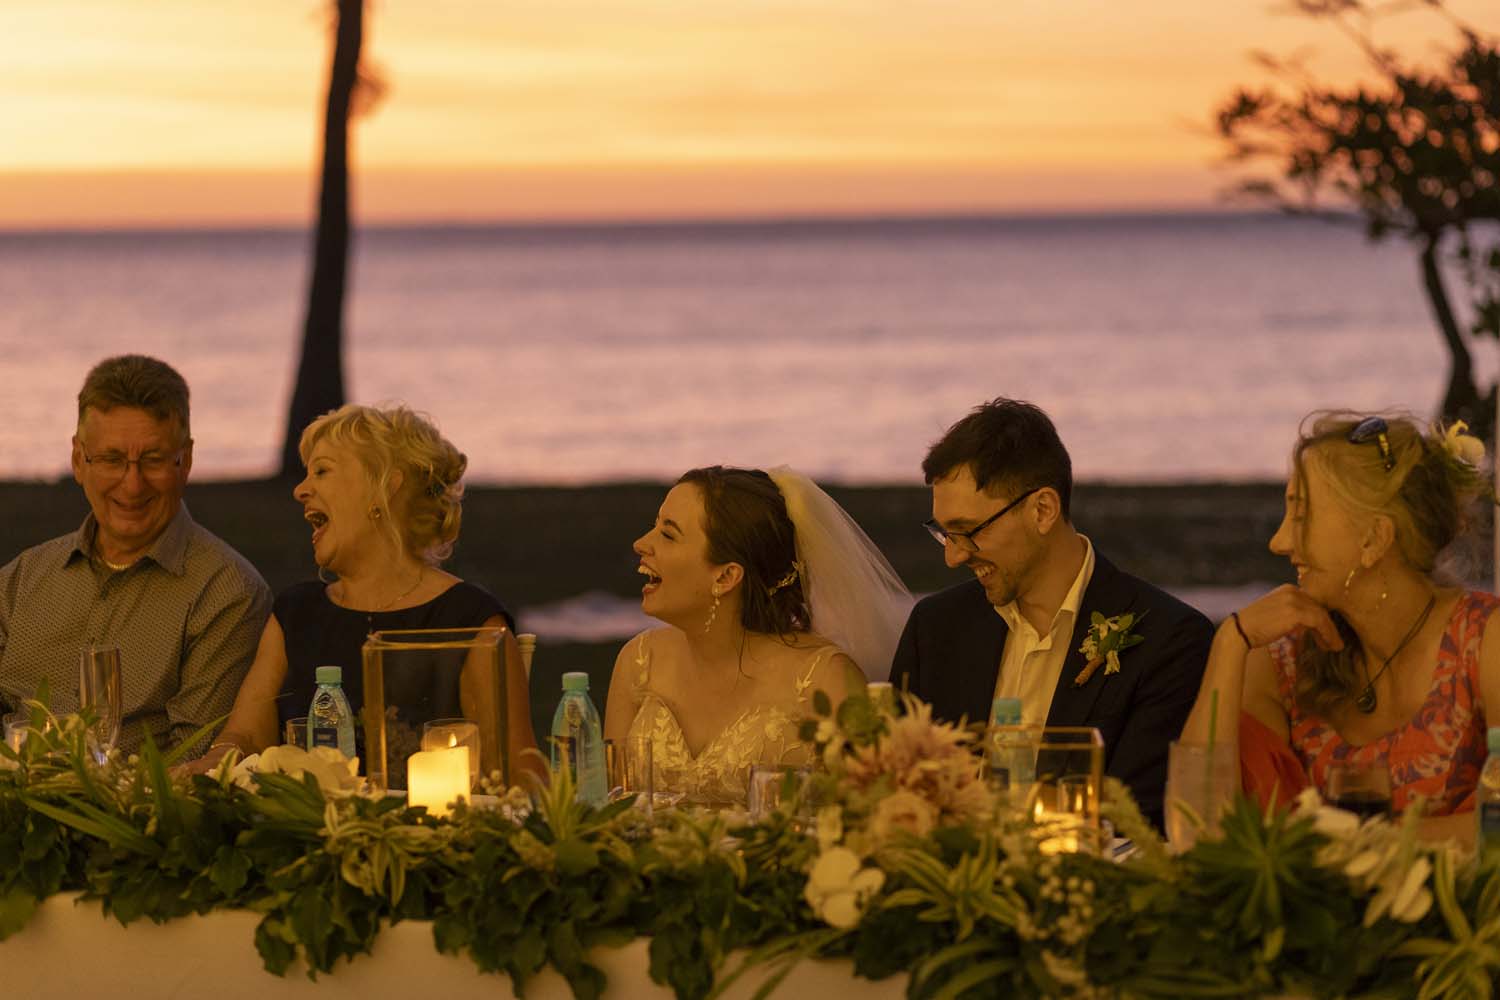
x: 1241, y: 630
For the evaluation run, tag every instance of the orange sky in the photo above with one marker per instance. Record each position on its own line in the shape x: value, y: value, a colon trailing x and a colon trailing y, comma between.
x: 179, y: 111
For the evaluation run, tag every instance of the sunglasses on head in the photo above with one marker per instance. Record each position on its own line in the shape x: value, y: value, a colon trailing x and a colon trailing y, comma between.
x: 1374, y: 429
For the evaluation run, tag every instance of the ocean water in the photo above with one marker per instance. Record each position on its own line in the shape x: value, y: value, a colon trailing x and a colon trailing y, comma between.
x: 1166, y: 348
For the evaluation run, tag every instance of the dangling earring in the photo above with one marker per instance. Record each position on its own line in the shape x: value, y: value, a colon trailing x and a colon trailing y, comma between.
x: 1384, y: 591
x: 1349, y: 579
x: 713, y: 612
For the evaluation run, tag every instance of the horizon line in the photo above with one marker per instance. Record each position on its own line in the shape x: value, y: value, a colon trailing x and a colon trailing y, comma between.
x: 646, y: 223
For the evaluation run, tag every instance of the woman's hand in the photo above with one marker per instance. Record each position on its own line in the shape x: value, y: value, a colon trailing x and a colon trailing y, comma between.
x: 1284, y: 610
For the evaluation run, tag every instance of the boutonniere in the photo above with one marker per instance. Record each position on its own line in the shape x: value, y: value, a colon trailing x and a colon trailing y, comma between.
x: 1105, y: 640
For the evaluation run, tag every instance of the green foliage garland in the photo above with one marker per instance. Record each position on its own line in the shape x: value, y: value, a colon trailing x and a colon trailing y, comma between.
x: 1300, y: 902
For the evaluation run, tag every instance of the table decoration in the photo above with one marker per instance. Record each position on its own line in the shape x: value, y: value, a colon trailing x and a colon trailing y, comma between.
x: 442, y: 733
x: 909, y: 868
x: 402, y: 667
x: 435, y: 779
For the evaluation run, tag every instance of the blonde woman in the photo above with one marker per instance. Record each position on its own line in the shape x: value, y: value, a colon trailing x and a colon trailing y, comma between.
x: 1371, y: 659
x: 382, y: 497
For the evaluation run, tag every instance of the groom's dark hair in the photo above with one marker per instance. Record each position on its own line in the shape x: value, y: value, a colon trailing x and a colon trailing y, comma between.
x: 1010, y: 446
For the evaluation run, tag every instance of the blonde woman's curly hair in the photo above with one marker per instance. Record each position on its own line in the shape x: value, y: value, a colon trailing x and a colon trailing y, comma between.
x: 1414, y: 475
x: 427, y: 509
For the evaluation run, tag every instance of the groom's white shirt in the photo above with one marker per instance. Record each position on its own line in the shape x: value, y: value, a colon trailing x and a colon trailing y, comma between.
x: 1031, y: 662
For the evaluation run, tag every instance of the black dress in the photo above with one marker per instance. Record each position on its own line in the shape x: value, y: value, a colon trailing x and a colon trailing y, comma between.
x: 321, y: 633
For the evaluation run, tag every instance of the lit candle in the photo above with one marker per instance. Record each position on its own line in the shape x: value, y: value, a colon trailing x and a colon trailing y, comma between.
x: 435, y: 778
x: 442, y: 733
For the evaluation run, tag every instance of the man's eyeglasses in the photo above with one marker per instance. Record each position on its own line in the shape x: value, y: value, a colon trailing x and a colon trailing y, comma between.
x: 965, y: 539
x: 1374, y: 429
x: 112, y: 465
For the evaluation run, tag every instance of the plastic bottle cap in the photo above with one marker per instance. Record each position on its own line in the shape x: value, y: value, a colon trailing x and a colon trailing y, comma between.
x: 575, y: 680
x: 329, y: 675
x: 1006, y: 712
x: 1492, y: 738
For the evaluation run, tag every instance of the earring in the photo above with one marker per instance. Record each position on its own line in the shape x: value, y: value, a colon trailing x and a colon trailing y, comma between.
x: 713, y: 612
x: 1349, y: 579
x: 1384, y: 591
x: 375, y: 512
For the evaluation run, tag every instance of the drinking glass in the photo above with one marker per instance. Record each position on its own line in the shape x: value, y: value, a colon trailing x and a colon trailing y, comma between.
x: 772, y: 786
x: 1201, y: 783
x: 442, y: 734
x: 1361, y: 788
x: 631, y: 771
x: 99, y: 693
x: 17, y: 725
x: 294, y: 734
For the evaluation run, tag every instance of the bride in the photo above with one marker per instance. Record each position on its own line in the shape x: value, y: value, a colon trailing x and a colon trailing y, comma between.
x: 770, y: 592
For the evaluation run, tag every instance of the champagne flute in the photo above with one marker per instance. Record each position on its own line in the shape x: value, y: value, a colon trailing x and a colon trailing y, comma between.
x: 99, y: 693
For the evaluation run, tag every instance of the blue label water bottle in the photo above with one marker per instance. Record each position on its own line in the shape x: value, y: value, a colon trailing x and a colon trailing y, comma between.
x: 330, y: 721
x: 578, y: 739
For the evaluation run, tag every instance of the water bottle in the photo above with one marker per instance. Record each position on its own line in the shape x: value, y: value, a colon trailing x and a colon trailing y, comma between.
x: 577, y: 739
x: 330, y: 721
x: 1487, y: 808
x: 1012, y: 766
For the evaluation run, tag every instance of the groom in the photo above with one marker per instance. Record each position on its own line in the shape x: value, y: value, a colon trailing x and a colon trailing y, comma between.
x: 1001, y: 484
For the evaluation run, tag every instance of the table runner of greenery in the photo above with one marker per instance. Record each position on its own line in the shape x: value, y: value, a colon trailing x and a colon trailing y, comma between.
x: 906, y: 866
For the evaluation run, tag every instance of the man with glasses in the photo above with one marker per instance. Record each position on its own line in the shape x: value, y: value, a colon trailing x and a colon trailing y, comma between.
x: 185, y: 610
x: 1001, y: 487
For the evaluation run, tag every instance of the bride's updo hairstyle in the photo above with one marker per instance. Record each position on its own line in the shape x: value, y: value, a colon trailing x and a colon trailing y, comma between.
x: 1425, y: 482
x: 745, y: 519
x: 428, y: 508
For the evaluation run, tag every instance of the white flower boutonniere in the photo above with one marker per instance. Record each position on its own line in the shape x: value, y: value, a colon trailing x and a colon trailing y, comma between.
x: 1105, y: 640
x: 1463, y: 446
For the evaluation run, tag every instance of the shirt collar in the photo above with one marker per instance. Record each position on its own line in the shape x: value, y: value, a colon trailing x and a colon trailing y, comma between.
x: 1071, y: 603
x: 169, y: 551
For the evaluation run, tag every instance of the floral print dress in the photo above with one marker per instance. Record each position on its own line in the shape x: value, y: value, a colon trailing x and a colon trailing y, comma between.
x: 1438, y: 752
x: 719, y: 774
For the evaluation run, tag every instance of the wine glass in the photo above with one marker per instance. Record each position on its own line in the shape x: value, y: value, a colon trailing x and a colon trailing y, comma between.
x: 1361, y: 788
x: 99, y: 693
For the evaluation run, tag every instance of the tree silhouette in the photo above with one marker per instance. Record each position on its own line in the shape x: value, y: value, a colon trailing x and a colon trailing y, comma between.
x: 1417, y: 154
x: 320, y: 372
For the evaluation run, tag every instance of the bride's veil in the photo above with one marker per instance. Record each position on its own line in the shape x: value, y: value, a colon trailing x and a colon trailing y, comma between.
x: 856, y: 599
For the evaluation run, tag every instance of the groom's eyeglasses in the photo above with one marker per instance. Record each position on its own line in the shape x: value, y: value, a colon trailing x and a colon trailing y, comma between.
x: 1374, y: 429
x: 965, y: 539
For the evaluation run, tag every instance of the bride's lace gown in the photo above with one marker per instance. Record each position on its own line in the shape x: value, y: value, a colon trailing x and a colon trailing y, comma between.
x: 720, y: 772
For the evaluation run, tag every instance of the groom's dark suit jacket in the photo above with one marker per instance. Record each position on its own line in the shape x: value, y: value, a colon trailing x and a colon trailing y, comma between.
x: 950, y: 654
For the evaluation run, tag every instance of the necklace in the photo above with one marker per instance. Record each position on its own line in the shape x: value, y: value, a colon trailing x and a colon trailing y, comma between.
x: 421, y: 574
x: 1365, y: 702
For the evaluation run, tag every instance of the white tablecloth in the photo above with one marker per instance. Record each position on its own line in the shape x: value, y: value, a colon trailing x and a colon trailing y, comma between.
x: 70, y: 950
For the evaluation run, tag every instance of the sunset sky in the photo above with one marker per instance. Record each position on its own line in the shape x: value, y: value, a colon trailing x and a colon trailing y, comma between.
x: 183, y: 112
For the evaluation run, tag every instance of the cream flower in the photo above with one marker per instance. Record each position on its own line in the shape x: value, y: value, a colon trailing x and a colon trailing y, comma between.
x: 838, y: 887
x: 830, y: 826
x: 903, y: 810
x: 336, y: 774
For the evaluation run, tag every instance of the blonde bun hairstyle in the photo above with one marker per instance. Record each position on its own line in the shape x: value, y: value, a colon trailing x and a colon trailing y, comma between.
x: 1427, y: 481
x: 427, y: 509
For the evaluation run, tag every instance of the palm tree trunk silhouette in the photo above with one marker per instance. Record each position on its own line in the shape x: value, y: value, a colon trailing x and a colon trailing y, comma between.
x: 320, y: 372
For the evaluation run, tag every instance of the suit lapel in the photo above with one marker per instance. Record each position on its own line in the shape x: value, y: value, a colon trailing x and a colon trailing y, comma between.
x: 978, y: 648
x: 1108, y: 595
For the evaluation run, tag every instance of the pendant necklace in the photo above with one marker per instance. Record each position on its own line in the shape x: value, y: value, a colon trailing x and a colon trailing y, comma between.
x: 1365, y: 702
x: 370, y: 615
